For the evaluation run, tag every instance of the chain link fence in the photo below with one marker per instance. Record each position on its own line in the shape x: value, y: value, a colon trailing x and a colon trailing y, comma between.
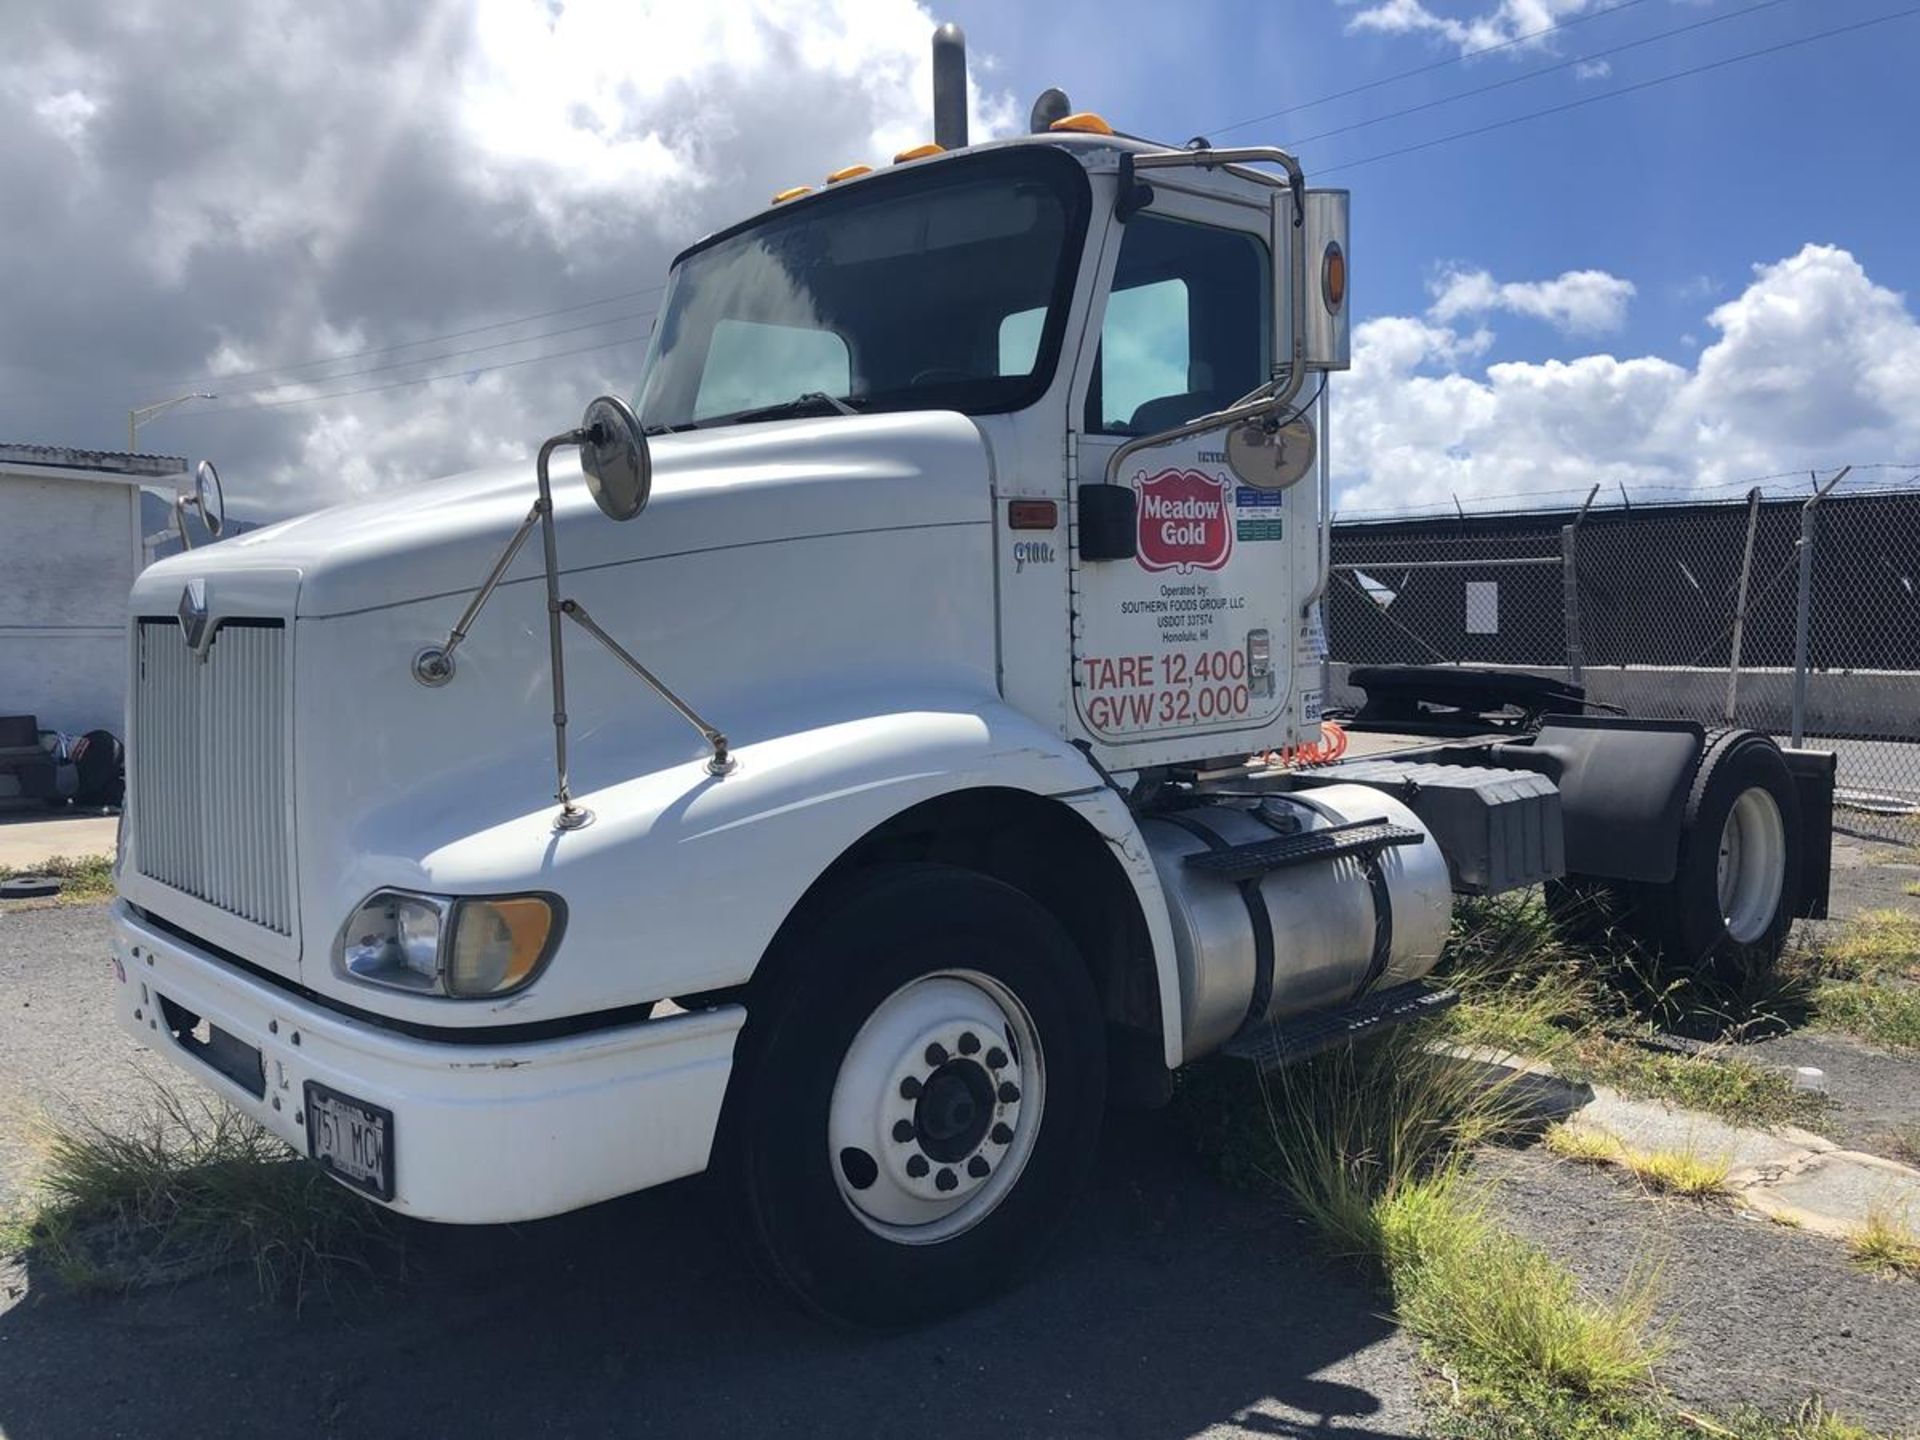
x: 1797, y: 615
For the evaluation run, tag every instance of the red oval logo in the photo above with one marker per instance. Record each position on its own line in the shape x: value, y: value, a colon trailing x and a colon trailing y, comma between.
x: 1186, y: 521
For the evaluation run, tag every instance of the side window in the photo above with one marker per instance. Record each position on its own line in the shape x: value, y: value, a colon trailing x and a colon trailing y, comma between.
x: 1020, y: 340
x: 750, y: 363
x: 1186, y: 328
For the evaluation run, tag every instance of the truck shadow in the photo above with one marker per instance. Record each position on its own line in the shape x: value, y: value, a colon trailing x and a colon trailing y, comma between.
x: 1173, y: 1306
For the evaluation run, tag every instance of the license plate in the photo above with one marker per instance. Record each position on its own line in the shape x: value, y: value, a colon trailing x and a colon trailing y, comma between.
x: 351, y: 1138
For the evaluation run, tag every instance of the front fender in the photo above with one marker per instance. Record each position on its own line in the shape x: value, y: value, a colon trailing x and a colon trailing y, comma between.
x: 682, y: 879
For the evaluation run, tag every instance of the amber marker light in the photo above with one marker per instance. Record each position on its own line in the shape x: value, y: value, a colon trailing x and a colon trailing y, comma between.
x: 848, y: 172
x: 498, y: 944
x: 1086, y: 122
x: 1333, y: 276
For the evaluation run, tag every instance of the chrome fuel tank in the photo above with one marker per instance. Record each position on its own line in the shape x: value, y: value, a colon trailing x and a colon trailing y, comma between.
x: 1337, y: 926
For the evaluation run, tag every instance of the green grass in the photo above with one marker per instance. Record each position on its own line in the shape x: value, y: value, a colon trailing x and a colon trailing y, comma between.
x: 1372, y: 1147
x: 1591, y: 1013
x: 193, y: 1186
x: 1884, y: 1245
x: 1865, y: 978
x: 85, y: 878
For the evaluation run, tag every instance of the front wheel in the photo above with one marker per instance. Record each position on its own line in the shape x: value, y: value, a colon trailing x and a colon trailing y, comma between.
x: 916, y: 1095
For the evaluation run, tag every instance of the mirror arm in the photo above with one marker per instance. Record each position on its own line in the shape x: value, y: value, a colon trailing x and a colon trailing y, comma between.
x: 434, y: 665
x: 180, y: 521
x: 722, y: 762
x: 1249, y: 408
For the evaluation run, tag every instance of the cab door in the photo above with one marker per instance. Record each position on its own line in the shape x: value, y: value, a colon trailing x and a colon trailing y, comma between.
x: 1186, y: 648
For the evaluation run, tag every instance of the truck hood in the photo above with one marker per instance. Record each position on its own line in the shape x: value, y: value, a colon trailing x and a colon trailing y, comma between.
x: 717, y: 489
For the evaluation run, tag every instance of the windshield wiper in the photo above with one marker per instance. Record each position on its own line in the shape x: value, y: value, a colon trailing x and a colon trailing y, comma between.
x: 799, y: 405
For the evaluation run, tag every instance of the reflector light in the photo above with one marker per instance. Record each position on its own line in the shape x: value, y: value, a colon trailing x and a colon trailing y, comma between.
x: 794, y: 193
x: 1032, y: 514
x: 1086, y: 122
x: 919, y: 152
x: 848, y: 172
x: 1333, y: 276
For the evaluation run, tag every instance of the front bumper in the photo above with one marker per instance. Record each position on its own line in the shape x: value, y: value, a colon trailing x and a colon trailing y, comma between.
x: 482, y: 1133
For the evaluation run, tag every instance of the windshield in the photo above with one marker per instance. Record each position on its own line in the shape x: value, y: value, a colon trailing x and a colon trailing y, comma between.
x: 943, y: 286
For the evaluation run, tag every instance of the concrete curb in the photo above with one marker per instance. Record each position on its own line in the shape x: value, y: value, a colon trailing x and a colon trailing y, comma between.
x: 1787, y: 1175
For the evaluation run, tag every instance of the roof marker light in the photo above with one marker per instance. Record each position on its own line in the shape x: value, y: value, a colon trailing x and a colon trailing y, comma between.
x: 919, y: 152
x: 792, y: 193
x: 848, y: 172
x: 1086, y: 122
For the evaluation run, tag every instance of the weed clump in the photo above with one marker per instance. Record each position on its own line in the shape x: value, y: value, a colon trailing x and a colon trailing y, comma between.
x: 191, y: 1187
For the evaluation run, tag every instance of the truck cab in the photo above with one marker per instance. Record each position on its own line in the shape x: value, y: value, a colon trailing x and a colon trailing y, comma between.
x: 870, y: 773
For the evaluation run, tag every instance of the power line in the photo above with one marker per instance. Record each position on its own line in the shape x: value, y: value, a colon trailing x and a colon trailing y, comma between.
x: 449, y: 355
x: 1586, y: 59
x: 425, y: 340
x: 418, y: 380
x: 1615, y: 93
x: 1464, y: 55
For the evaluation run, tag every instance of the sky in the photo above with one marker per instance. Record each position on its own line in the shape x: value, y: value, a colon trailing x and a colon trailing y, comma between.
x: 1660, y: 244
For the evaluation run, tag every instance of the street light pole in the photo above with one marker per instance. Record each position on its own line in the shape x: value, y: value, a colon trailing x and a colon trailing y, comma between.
x: 138, y: 417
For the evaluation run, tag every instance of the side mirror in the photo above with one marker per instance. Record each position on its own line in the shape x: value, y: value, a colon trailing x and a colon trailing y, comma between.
x: 614, y: 456
x: 1271, y: 456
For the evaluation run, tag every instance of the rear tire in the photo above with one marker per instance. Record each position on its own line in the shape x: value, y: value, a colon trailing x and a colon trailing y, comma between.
x: 916, y: 1096
x: 1731, y: 901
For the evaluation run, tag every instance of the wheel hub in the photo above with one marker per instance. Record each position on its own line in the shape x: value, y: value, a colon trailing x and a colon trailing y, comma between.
x: 954, y: 1110
x: 936, y: 1106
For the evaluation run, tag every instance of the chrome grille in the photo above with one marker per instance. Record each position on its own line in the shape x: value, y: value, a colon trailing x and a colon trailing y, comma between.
x: 209, y: 768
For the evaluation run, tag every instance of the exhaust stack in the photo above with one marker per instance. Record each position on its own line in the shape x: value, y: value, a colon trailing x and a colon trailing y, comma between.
x: 950, y: 87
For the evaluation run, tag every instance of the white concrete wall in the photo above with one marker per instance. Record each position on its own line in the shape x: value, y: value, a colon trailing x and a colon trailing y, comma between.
x: 69, y: 551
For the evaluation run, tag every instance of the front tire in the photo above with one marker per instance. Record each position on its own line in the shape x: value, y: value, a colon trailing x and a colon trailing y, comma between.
x: 916, y: 1095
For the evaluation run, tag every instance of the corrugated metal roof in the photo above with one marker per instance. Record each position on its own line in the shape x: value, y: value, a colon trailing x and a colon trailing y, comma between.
x: 108, y: 462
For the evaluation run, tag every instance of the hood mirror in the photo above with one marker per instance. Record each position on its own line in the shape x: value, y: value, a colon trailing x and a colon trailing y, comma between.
x: 614, y: 456
x: 207, y: 498
x: 1268, y: 456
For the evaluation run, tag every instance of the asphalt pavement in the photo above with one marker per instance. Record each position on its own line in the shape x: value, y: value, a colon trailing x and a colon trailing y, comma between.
x: 1174, y: 1307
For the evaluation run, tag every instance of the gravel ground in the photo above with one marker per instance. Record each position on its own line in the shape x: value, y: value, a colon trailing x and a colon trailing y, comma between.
x: 60, y: 1053
x: 1175, y: 1307
x: 1759, y: 1315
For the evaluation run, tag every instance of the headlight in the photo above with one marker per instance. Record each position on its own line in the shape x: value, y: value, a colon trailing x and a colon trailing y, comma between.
x: 466, y: 946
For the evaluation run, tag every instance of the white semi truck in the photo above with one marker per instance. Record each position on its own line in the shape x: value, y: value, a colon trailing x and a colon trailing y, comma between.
x: 905, y: 797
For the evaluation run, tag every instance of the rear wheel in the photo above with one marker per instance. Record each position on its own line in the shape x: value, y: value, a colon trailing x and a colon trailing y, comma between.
x: 916, y: 1096
x: 1731, y: 901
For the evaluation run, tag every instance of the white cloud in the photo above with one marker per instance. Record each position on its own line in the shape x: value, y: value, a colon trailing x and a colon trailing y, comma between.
x: 1503, y: 24
x: 303, y: 180
x: 1592, y: 70
x: 1814, y: 365
x: 1578, y: 302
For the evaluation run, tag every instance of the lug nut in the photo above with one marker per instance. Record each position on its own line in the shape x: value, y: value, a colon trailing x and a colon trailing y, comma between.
x: 1008, y: 1092
x: 909, y: 1089
x: 946, y: 1180
x: 1001, y: 1135
x: 969, y: 1043
x: 917, y: 1166
x: 936, y: 1054
x: 977, y: 1167
x: 903, y: 1130
x: 996, y: 1057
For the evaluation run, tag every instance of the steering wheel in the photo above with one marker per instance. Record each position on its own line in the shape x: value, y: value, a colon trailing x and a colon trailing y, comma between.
x: 941, y: 375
